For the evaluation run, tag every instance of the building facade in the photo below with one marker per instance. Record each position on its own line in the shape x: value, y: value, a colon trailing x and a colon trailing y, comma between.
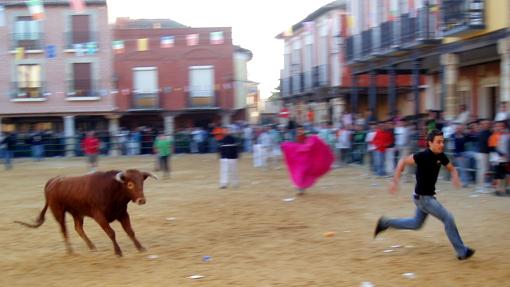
x: 56, y: 72
x: 456, y: 52
x: 171, y: 76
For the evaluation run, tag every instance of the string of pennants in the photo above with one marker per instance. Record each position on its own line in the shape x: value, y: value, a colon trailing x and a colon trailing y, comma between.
x: 118, y: 46
x: 142, y: 44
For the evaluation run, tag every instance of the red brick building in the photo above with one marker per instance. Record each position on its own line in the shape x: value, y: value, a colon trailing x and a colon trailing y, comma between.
x: 172, y: 76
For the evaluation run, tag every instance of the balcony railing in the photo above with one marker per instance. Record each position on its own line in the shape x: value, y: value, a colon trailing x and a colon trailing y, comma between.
x: 366, y: 43
x: 29, y: 41
x: 210, y: 101
x: 145, y: 100
x: 419, y: 30
x: 297, y: 83
x: 349, y: 49
x: 323, y: 75
x: 286, y: 86
x: 27, y: 90
x: 387, y: 35
x: 308, y: 80
x: 81, y: 37
x: 82, y: 88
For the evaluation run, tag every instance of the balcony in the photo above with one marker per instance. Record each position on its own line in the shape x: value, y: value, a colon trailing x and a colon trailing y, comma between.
x: 82, y: 37
x: 27, y: 91
x: 461, y: 17
x: 82, y: 89
x: 286, y: 86
x: 308, y: 81
x: 420, y: 30
x: 28, y: 41
x: 145, y: 101
x: 202, y: 102
x: 349, y: 49
x: 297, y: 84
x: 323, y: 76
x: 366, y: 44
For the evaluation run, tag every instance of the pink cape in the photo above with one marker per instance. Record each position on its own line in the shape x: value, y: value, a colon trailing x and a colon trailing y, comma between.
x: 307, y: 162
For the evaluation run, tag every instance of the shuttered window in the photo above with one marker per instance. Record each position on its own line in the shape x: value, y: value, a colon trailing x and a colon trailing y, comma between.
x: 80, y: 29
x: 82, y: 79
x: 201, y: 81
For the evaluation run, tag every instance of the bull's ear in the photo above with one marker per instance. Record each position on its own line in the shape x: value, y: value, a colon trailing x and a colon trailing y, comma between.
x: 149, y: 174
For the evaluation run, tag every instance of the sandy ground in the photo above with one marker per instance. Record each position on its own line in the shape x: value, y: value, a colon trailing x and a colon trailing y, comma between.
x: 253, y: 236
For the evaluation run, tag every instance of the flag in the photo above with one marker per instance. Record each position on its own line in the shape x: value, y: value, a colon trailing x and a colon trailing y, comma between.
x: 36, y: 9
x: 167, y: 41
x: 79, y: 49
x: 20, y: 53
x: 142, y: 44
x: 118, y: 46
x: 78, y: 5
x: 216, y: 38
x: 51, y: 51
x: 2, y: 16
x: 91, y: 48
x: 192, y: 39
x: 309, y: 26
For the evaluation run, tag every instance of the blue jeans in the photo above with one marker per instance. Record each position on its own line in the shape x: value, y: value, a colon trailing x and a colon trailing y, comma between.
x: 37, y: 152
x: 426, y: 205
x: 8, y: 159
x: 379, y: 161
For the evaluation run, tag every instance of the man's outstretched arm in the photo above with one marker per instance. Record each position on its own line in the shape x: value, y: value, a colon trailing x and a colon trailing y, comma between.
x: 400, y: 168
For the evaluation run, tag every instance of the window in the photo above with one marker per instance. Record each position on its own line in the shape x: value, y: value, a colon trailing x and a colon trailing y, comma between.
x: 28, y: 81
x: 201, y: 81
x: 82, y: 80
x: 146, y: 87
x: 26, y: 33
x: 80, y: 29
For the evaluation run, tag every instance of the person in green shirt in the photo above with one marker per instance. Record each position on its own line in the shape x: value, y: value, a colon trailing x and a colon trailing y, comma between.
x: 162, y: 147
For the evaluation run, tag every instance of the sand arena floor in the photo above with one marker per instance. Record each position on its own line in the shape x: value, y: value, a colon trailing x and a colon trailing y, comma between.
x: 253, y: 236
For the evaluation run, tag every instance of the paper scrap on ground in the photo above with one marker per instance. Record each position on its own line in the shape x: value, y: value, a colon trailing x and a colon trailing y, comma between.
x: 195, y: 277
x: 396, y: 246
x: 366, y: 284
x: 170, y: 218
x: 289, y: 199
x: 152, y: 257
x: 388, y: 250
x: 409, y: 275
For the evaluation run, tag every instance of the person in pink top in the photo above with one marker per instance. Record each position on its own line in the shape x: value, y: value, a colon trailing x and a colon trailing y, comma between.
x: 90, y: 147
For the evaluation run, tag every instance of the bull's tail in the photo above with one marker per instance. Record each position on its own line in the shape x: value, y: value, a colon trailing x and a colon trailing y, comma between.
x: 39, y: 221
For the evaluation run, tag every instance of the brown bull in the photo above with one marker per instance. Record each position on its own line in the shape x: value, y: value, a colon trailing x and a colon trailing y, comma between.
x: 104, y: 196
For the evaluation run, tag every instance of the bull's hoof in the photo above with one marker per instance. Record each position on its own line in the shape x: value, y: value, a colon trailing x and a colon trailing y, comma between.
x: 141, y: 249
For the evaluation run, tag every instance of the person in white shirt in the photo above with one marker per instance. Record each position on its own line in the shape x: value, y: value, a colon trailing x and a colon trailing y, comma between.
x: 502, y: 114
x: 463, y: 117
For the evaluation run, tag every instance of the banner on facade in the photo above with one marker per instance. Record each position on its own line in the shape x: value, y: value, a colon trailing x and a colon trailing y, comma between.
x: 216, y: 38
x: 91, y: 48
x: 118, y: 46
x: 36, y: 9
x: 51, y: 51
x: 79, y: 49
x: 77, y: 5
x: 20, y: 53
x: 142, y: 44
x: 167, y: 41
x: 192, y: 39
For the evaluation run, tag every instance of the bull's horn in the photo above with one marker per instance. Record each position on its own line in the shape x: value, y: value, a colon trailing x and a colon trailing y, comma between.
x: 118, y: 177
x: 151, y: 175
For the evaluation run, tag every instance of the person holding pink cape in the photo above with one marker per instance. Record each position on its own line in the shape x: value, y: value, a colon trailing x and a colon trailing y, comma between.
x: 307, y: 160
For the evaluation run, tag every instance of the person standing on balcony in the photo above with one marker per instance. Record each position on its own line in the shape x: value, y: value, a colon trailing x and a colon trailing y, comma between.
x: 90, y: 147
x: 428, y: 163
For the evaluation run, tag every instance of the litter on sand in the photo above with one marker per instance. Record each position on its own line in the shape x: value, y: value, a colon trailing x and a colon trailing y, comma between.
x: 152, y: 257
x: 474, y: 195
x: 388, y: 250
x: 366, y: 284
x: 170, y: 218
x: 289, y: 199
x: 396, y: 246
x: 329, y: 234
x: 206, y: 258
x: 195, y: 277
x: 409, y: 275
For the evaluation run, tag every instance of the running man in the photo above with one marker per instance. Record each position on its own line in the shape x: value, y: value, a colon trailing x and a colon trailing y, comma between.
x: 428, y: 163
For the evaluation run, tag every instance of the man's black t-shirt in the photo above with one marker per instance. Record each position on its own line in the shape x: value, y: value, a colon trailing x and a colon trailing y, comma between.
x: 427, y: 170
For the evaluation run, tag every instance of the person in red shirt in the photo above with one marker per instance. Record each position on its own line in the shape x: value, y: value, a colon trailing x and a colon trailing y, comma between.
x: 382, y: 140
x: 90, y: 146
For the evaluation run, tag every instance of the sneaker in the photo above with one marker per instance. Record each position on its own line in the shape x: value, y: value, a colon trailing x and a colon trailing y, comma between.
x: 379, y: 228
x: 469, y: 253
